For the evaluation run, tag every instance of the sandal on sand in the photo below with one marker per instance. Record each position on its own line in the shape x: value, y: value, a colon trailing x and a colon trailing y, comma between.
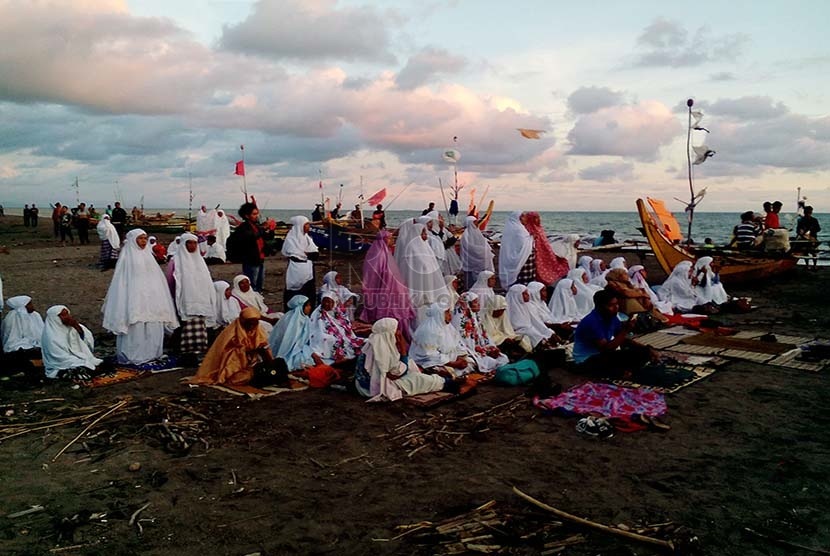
x: 654, y: 423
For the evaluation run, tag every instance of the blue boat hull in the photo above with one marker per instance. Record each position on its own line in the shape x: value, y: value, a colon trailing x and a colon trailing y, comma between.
x: 333, y: 239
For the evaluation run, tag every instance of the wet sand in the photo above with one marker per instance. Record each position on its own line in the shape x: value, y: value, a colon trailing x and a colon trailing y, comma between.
x: 748, y: 448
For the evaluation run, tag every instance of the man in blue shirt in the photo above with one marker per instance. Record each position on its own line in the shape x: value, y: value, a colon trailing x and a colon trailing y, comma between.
x: 601, y: 342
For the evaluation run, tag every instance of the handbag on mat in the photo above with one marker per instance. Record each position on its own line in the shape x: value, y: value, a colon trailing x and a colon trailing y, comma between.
x: 270, y: 373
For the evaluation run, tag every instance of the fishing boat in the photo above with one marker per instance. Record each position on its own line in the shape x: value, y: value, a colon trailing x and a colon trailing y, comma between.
x: 341, y: 237
x: 663, y: 234
x: 163, y: 223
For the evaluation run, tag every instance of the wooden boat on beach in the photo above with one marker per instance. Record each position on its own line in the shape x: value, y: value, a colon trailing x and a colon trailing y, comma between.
x: 735, y: 266
x: 341, y: 237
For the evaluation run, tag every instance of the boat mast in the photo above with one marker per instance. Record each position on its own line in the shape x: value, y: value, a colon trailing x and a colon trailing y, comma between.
x: 691, y: 207
x: 190, y: 197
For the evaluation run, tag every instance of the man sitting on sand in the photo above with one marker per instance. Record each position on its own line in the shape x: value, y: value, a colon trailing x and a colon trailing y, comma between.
x: 601, y: 343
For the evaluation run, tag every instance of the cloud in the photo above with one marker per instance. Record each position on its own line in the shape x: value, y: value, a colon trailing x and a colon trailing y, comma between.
x: 722, y: 76
x: 427, y: 65
x: 590, y: 99
x: 635, y: 130
x: 94, y: 54
x: 311, y: 30
x: 744, y: 108
x: 667, y: 43
x: 608, y: 171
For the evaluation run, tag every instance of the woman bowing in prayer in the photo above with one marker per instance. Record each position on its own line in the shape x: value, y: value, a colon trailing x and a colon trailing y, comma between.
x: 67, y: 346
x: 289, y: 337
x: 138, y: 306
x: 236, y: 352
x: 301, y: 252
x: 330, y: 337
x: 517, y: 263
x: 476, y: 253
x: 384, y: 291
x: 474, y: 336
x: 194, y: 295
x: 550, y: 267
x: 501, y: 333
x: 392, y: 373
x: 110, y: 243
x: 526, y: 320
x: 22, y: 328
x: 437, y: 346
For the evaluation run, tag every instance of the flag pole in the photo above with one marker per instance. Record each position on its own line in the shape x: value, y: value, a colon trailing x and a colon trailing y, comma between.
x: 691, y: 207
x: 244, y: 179
x: 361, y: 202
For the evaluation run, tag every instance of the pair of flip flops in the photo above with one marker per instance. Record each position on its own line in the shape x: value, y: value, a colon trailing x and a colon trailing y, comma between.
x: 598, y: 427
x: 653, y: 423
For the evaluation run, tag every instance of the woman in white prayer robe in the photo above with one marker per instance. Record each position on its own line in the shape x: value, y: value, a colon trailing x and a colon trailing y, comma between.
x: 515, y: 251
x: 67, y: 346
x: 194, y: 296
x: 421, y: 271
x: 637, y: 274
x: 290, y: 335
x: 584, y: 292
x: 452, y: 282
x: 226, y: 307
x: 248, y: 297
x: 562, y: 304
x: 598, y: 271
x: 585, y: 264
x: 437, y: 346
x: 301, y: 251
x: 346, y: 299
x: 483, y: 288
x: 22, y: 327
x: 330, y: 336
x: 476, y: 252
x: 525, y: 319
x: 709, y: 288
x: 138, y: 307
x: 452, y: 262
x: 539, y: 302
x: 678, y: 289
x: 393, y: 374
x: 468, y: 323
x: 501, y: 333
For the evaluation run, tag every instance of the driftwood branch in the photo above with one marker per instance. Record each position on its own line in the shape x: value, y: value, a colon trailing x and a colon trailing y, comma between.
x: 596, y: 526
x: 787, y: 543
x: 112, y: 410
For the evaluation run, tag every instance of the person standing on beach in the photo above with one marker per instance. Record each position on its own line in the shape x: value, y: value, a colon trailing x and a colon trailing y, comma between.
x: 82, y: 224
x: 193, y: 292
x: 110, y: 243
x: 119, y: 219
x: 138, y: 306
x: 301, y: 252
x: 808, y: 228
x: 33, y: 212
x: 56, y: 220
x: 27, y: 214
x: 246, y: 245
x: 66, y: 225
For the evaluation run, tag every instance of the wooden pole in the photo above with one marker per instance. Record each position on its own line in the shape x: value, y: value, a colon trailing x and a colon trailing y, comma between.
x: 597, y: 526
x: 691, y: 207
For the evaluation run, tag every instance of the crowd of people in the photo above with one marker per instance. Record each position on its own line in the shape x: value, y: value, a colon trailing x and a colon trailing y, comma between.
x: 430, y: 310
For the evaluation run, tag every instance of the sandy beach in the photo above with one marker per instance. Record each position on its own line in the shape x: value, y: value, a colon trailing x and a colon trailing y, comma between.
x: 311, y: 472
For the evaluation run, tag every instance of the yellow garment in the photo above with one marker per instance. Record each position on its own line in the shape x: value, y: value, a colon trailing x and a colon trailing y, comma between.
x: 231, y: 358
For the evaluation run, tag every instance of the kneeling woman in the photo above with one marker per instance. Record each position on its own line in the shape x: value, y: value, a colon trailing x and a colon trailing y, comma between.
x: 437, y: 346
x: 392, y: 374
x: 67, y: 346
x: 238, y: 349
x: 501, y: 332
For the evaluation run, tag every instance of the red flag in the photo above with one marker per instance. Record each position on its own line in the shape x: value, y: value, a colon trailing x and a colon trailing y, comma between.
x: 377, y: 197
x: 321, y: 184
x: 240, y: 168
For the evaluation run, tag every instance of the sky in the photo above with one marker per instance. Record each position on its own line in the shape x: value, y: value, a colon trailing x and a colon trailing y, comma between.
x: 139, y: 99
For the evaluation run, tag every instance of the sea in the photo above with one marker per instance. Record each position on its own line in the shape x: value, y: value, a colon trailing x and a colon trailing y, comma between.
x: 715, y: 225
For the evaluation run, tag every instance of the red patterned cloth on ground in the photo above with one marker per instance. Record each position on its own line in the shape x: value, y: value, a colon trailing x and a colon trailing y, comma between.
x: 606, y: 399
